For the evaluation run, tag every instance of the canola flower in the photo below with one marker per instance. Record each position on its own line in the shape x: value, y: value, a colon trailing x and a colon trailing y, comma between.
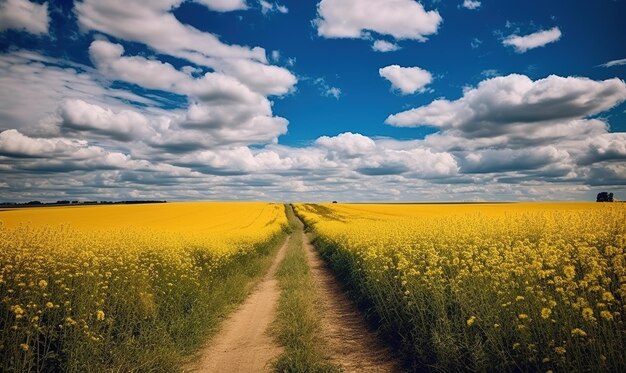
x: 78, y: 282
x: 551, y: 276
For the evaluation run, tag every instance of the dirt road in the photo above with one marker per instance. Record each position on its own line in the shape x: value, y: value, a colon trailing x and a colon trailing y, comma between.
x: 344, y: 331
x: 243, y: 343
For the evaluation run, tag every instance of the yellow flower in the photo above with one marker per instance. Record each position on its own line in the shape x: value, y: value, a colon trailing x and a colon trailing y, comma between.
x: 43, y: 283
x: 545, y: 313
x: 519, y: 298
x: 607, y: 296
x: 24, y: 347
x: 577, y: 332
x: 588, y: 314
x: 522, y: 316
x: 471, y: 321
x: 560, y: 350
x: 100, y: 315
x: 608, y: 316
x: 569, y: 271
x: 49, y: 305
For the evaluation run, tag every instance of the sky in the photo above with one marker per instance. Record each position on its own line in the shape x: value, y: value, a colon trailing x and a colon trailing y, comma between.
x: 293, y: 100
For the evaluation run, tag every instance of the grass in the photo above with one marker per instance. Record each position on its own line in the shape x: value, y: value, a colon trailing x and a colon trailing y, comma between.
x: 297, y: 323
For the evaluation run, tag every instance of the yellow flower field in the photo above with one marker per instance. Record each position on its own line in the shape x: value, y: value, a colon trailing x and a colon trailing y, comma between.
x: 99, y: 287
x: 498, y: 287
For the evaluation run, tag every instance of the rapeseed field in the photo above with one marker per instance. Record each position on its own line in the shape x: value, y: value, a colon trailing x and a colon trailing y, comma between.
x: 486, y: 287
x: 122, y: 287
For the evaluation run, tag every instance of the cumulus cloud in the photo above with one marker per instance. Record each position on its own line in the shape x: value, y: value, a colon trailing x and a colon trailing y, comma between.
x: 470, y: 4
x: 515, y: 101
x: 61, y: 154
x: 402, y: 19
x: 24, y: 15
x: 48, y: 82
x: 153, y: 24
x: 407, y: 80
x: 385, y: 46
x: 125, y: 125
x: 535, y: 40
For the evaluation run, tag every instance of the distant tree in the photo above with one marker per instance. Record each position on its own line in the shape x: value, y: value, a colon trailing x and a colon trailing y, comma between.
x: 334, y: 201
x: 604, y: 197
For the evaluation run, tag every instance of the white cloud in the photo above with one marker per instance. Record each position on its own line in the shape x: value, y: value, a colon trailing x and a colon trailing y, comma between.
x: 153, y: 24
x: 535, y: 40
x: 500, y: 103
x: 48, y: 82
x: 268, y: 7
x: 153, y: 74
x: 326, y: 90
x: 615, y: 63
x: 224, y: 5
x: 407, y: 80
x: 24, y: 15
x: 402, y: 19
x: 61, y: 154
x: 125, y: 125
x: 470, y: 4
x: 385, y: 46
x: 264, y: 79
x: 348, y: 144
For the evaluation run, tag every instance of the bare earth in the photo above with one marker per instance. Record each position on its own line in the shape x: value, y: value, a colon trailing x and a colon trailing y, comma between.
x: 243, y: 343
x: 348, y: 341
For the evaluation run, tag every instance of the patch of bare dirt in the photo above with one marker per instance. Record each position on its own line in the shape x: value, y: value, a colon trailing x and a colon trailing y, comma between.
x: 349, y: 342
x: 243, y: 343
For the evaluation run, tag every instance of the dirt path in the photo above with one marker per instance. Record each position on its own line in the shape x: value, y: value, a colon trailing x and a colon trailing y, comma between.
x: 344, y: 331
x: 243, y: 343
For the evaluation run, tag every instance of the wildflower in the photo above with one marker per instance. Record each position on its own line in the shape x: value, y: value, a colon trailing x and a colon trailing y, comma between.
x: 519, y: 298
x: 588, y: 314
x: 43, y: 284
x: 19, y: 312
x: 560, y: 350
x: 522, y: 316
x: 545, y: 313
x: 100, y: 315
x: 49, y: 305
x: 608, y: 316
x: 569, y: 271
x: 516, y: 346
x: 577, y: 332
x: 607, y: 296
x: 24, y: 347
x: 471, y: 321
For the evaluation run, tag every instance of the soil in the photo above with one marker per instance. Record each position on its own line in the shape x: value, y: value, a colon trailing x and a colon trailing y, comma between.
x: 243, y: 343
x: 348, y: 340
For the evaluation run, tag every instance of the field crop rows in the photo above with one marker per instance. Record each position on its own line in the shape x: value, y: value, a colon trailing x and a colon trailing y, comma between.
x: 519, y: 287
x: 124, y: 288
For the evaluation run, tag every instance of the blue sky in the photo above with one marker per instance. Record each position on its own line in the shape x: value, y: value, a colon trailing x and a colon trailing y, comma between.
x: 297, y: 100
